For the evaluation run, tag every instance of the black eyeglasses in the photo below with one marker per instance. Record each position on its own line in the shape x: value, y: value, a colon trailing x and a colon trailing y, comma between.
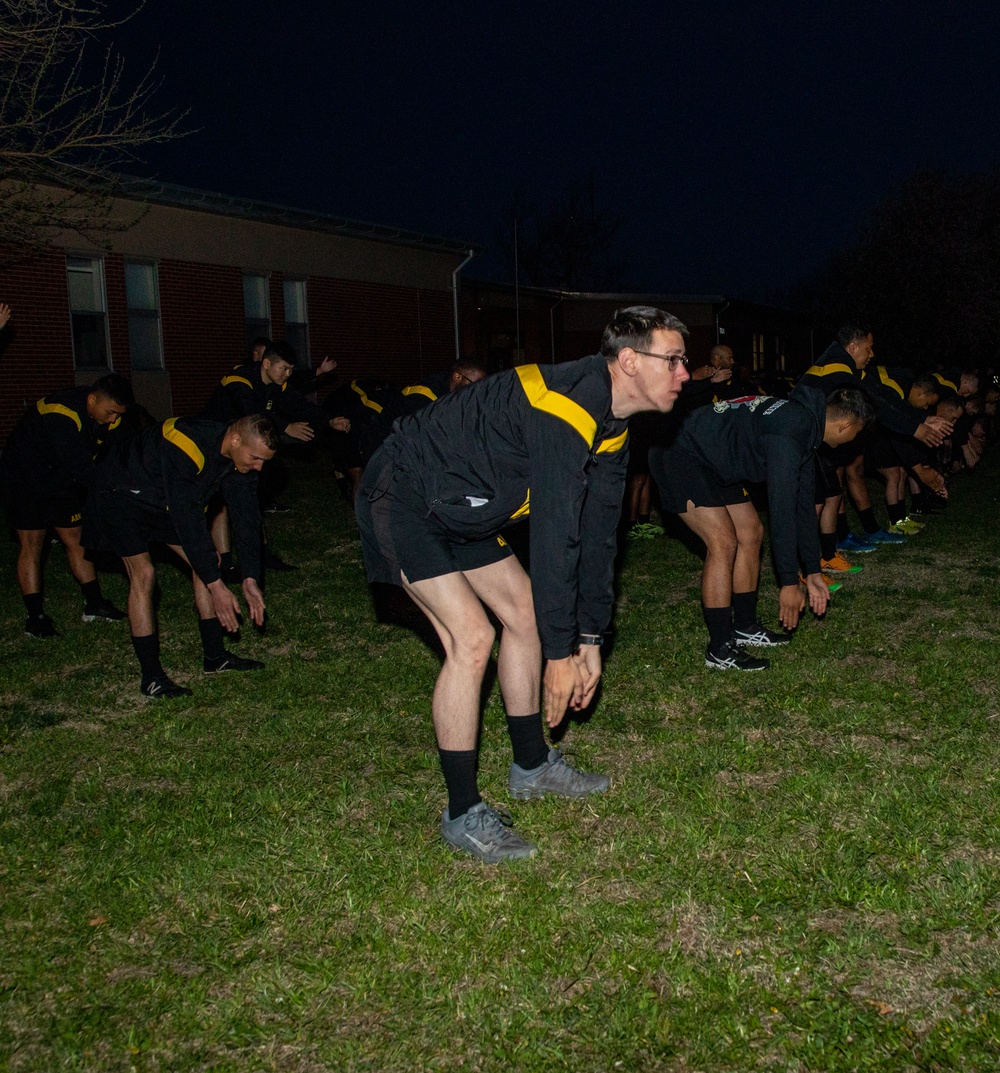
x: 672, y: 360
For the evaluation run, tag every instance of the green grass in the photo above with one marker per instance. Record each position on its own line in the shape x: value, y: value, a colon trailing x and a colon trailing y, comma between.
x: 797, y: 870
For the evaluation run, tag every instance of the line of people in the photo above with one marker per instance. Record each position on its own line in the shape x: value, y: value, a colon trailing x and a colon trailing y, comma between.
x: 451, y: 464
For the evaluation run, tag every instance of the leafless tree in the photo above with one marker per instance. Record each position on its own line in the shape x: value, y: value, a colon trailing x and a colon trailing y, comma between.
x: 70, y: 121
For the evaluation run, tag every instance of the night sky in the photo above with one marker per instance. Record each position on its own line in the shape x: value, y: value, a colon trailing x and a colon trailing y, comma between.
x: 742, y: 143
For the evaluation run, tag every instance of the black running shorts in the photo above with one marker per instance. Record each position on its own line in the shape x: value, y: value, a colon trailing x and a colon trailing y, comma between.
x: 28, y: 507
x: 398, y: 535
x: 114, y: 522
x: 683, y: 478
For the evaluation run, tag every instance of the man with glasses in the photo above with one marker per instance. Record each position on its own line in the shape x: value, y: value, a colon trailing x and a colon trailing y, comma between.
x: 546, y: 440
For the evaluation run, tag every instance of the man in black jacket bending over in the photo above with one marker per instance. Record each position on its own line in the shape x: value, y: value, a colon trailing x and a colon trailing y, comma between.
x: 551, y: 440
x: 154, y: 489
x: 702, y: 477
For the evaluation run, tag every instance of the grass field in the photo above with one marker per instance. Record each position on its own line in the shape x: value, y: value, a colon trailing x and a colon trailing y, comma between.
x: 796, y: 870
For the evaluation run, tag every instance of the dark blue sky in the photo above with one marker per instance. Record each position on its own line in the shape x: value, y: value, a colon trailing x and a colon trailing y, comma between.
x: 742, y: 143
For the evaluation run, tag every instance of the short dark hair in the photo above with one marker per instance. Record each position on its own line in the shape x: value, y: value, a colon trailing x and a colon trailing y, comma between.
x: 851, y: 404
x: 633, y: 327
x: 258, y: 427
x: 926, y: 382
x: 114, y: 387
x: 469, y: 365
x: 261, y: 340
x: 852, y: 331
x: 281, y: 351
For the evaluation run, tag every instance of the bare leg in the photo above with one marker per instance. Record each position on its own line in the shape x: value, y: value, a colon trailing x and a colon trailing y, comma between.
x: 458, y: 618
x: 506, y: 590
x: 141, y: 580
x: 749, y: 537
x: 82, y: 568
x: 715, y: 527
x: 29, y: 559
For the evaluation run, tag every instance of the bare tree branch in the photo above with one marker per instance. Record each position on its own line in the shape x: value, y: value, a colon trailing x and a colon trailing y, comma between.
x: 63, y: 126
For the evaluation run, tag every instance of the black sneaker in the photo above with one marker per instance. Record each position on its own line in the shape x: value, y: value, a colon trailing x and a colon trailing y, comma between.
x: 228, y: 662
x: 40, y: 626
x: 162, y: 688
x: 730, y: 657
x: 102, y: 612
x: 276, y: 563
x: 757, y: 637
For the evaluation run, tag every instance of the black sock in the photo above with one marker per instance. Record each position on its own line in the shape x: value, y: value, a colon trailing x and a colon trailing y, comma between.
x: 211, y: 638
x: 527, y: 740
x: 843, y: 529
x: 745, y: 610
x: 719, y: 621
x: 459, y: 770
x: 92, y: 593
x: 827, y: 545
x: 896, y: 512
x: 33, y: 604
x: 643, y: 519
x: 868, y: 520
x: 918, y: 501
x: 148, y: 650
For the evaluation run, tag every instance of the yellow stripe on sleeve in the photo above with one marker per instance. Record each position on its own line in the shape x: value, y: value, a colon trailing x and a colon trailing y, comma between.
x: 227, y: 380
x: 173, y: 435
x: 829, y: 370
x: 543, y: 398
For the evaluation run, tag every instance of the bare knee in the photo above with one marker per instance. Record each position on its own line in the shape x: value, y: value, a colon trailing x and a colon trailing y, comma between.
x: 473, y: 646
x: 751, y: 535
x: 722, y: 546
x: 141, y: 575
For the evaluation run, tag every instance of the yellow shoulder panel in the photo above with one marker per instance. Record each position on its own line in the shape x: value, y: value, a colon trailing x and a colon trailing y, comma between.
x: 420, y: 389
x: 552, y: 402
x: 44, y: 407
x: 174, y: 435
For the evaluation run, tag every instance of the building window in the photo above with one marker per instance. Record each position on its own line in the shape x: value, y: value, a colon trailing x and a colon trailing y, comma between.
x: 256, y: 307
x: 88, y: 310
x: 297, y: 319
x: 142, y: 297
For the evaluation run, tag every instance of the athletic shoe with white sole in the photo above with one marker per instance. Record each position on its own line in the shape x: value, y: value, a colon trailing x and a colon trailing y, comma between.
x: 730, y: 657
x: 883, y: 536
x: 758, y: 637
x: 103, y: 612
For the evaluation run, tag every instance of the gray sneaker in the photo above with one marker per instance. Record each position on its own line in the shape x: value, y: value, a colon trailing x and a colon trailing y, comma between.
x: 555, y: 776
x: 486, y: 834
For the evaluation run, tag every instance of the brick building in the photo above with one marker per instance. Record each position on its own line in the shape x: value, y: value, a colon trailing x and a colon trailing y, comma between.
x: 175, y: 300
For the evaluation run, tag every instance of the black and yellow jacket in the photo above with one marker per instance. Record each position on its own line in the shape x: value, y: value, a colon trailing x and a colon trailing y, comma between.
x: 538, y: 440
x: 835, y: 368
x: 243, y: 392
x: 53, y: 446
x: 177, y: 467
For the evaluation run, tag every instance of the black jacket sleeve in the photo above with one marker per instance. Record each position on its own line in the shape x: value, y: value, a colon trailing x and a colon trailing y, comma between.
x: 558, y: 489
x: 239, y: 490
x: 602, y: 510
x: 186, y: 503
